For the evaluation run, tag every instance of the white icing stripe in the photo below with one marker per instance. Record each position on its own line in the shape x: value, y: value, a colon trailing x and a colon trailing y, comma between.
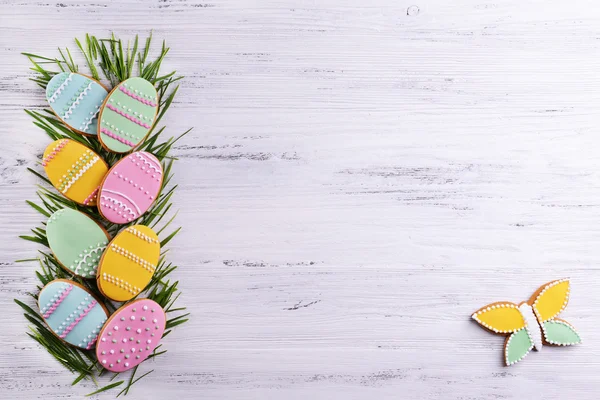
x: 52, y: 99
x: 76, y: 102
x: 151, y: 163
x: 119, y: 203
x: 80, y: 263
x: 80, y: 173
x: 125, y: 197
x: 89, y: 122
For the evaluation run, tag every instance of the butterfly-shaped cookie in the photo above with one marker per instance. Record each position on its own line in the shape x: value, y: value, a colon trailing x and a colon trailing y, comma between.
x: 532, y: 323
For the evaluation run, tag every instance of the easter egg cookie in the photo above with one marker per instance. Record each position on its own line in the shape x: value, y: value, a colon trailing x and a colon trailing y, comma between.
x: 127, y: 115
x: 130, y: 187
x: 128, y: 263
x: 74, y: 170
x: 76, y: 241
x: 72, y: 313
x: 130, y: 335
x: 76, y: 100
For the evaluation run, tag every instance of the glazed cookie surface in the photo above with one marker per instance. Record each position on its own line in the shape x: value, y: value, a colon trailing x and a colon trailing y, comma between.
x: 128, y: 263
x: 74, y: 170
x: 76, y: 100
x: 72, y: 313
x: 127, y: 115
x: 76, y: 241
x: 130, y: 187
x: 531, y: 324
x: 130, y: 335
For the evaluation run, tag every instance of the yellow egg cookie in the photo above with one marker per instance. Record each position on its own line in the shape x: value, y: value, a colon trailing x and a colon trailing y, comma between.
x: 74, y: 170
x: 128, y: 263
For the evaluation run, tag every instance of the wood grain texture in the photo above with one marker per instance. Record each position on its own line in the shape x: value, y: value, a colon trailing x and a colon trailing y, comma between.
x: 362, y: 176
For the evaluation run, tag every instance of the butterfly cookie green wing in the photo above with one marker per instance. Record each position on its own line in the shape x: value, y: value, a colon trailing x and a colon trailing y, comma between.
x: 517, y: 346
x: 560, y: 333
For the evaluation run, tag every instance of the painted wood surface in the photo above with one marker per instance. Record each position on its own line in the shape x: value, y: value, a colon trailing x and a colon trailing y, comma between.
x: 362, y: 176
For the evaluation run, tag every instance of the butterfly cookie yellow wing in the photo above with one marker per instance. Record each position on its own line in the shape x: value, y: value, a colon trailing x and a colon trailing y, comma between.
x: 501, y: 317
x: 550, y: 299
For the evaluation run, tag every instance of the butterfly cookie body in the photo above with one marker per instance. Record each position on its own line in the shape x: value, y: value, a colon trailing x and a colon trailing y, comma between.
x: 531, y: 324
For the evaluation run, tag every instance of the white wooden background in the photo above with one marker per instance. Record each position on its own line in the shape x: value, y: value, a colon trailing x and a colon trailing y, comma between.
x: 362, y: 176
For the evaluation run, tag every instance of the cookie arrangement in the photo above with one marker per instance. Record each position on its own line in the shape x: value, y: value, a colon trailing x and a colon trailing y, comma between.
x: 105, y: 291
x: 124, y: 266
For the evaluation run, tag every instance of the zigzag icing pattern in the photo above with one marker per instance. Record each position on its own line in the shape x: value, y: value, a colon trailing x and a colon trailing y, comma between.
x: 116, y: 137
x: 76, y: 102
x: 89, y: 121
x: 82, y: 171
x: 81, y: 316
x: 136, y: 97
x: 125, y: 197
x: 62, y: 87
x: 148, y: 163
x: 89, y: 254
x: 91, y: 197
x: 129, y: 117
x: 91, y: 343
x: 54, y: 152
x: 120, y: 204
x: 54, y: 306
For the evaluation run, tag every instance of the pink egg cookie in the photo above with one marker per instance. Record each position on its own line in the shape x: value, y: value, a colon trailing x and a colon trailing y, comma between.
x: 130, y: 335
x: 130, y: 187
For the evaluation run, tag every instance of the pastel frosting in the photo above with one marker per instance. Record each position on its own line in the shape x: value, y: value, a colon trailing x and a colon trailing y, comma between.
x: 72, y: 313
x: 131, y: 335
x: 531, y: 324
x: 128, y: 115
x: 76, y: 100
x: 128, y: 263
x: 74, y: 170
x: 130, y: 187
x: 77, y: 241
